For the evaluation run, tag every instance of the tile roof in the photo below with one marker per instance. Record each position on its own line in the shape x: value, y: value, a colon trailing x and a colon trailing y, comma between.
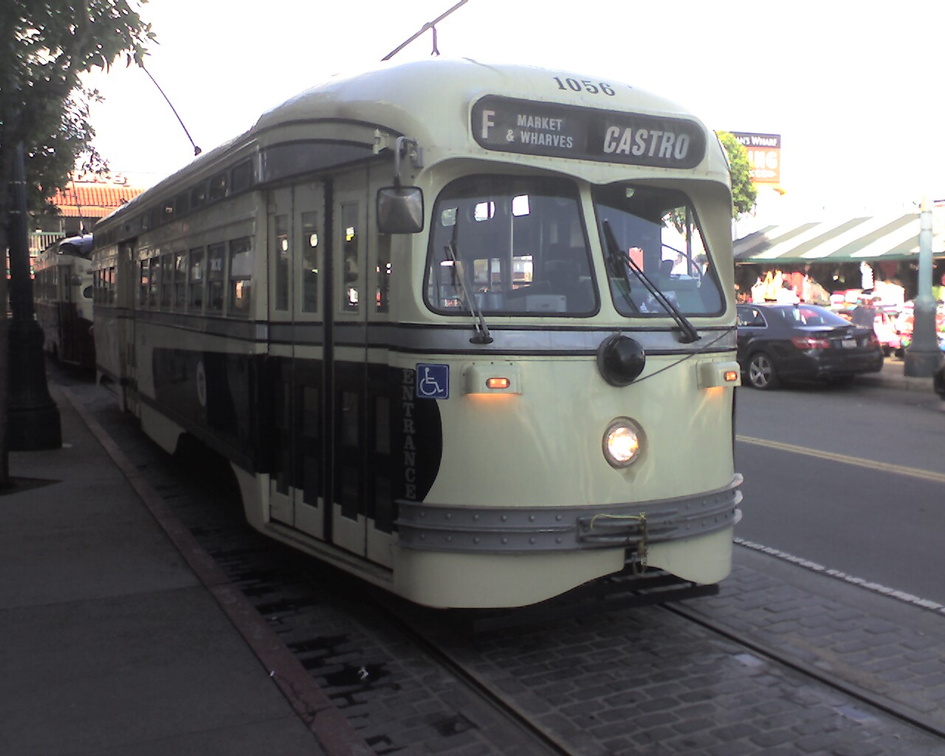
x: 86, y: 200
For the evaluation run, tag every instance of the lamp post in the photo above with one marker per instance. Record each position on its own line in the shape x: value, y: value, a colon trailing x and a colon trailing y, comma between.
x: 32, y: 416
x: 923, y: 355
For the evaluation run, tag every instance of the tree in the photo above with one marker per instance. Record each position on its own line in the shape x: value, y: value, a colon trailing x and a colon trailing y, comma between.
x: 744, y: 191
x: 45, y: 47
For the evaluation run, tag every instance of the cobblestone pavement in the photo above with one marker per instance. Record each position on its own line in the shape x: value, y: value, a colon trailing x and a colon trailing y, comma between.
x: 636, y: 681
x: 649, y: 681
x: 875, y: 642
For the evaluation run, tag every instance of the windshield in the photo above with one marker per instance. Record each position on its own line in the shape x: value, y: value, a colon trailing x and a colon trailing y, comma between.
x: 510, y: 245
x: 658, y: 236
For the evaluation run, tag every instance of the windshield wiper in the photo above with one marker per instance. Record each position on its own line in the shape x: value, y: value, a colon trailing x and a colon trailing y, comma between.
x: 479, y: 322
x: 687, y: 332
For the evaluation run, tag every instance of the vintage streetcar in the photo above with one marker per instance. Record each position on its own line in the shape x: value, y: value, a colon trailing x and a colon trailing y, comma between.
x: 466, y: 331
x: 62, y: 292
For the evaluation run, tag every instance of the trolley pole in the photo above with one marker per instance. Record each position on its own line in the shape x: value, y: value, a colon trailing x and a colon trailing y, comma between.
x: 32, y: 416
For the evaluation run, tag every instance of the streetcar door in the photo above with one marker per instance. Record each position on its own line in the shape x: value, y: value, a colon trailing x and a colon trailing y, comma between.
x: 295, y: 364
x: 129, y: 301
x: 347, y: 402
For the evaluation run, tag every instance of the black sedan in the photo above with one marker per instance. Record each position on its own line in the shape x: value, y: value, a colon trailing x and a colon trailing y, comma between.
x: 796, y: 342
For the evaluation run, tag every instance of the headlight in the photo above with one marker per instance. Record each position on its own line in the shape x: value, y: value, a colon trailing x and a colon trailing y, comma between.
x: 623, y: 442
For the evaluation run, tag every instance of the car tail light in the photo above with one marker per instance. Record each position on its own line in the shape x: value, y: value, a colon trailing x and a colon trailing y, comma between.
x: 810, y: 342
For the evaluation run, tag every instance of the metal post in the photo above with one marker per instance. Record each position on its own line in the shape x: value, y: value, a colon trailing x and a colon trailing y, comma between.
x: 923, y: 355
x: 33, y: 419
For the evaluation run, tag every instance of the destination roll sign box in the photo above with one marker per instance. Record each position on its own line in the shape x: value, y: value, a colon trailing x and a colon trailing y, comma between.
x: 552, y: 130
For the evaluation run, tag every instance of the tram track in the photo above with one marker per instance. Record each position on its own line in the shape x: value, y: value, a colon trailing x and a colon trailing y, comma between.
x: 668, y: 677
x: 847, y: 687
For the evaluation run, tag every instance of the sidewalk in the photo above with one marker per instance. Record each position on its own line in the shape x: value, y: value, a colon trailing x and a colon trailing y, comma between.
x: 893, y: 376
x: 119, y: 634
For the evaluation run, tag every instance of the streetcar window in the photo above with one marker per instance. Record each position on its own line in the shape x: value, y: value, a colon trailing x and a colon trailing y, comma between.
x: 216, y: 259
x: 196, y: 281
x: 657, y: 230
x: 180, y: 281
x: 182, y: 203
x: 198, y: 195
x: 350, y: 256
x: 144, y: 276
x: 309, y: 262
x: 241, y: 276
x: 382, y: 274
x: 241, y: 176
x: 217, y: 187
x: 512, y: 245
x: 282, y: 254
x: 167, y: 280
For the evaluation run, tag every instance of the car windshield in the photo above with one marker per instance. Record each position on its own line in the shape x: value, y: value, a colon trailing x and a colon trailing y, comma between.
x: 657, y: 230
x: 509, y: 245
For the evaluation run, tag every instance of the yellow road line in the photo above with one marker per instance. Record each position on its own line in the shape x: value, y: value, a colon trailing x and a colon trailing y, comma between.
x: 913, y: 472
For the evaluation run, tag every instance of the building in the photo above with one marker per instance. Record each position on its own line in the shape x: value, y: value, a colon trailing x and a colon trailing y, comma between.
x: 80, y: 204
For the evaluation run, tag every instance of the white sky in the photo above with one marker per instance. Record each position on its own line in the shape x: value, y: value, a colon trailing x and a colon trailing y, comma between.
x: 853, y: 88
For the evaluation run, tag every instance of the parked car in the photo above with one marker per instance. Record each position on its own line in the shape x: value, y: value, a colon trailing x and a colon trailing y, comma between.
x: 780, y: 343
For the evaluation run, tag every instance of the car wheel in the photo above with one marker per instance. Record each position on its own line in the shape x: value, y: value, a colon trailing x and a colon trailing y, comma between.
x: 761, y: 372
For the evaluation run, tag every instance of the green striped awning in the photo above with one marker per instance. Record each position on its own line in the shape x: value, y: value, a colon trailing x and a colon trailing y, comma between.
x: 857, y: 239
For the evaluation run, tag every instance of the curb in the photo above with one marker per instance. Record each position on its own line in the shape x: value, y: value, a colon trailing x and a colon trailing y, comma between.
x: 325, y: 721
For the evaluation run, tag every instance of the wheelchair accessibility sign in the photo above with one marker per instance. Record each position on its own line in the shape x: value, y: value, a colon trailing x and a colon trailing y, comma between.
x: 433, y: 381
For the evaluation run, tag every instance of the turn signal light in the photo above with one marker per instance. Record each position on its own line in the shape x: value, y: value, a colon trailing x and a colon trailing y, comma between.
x: 487, y: 378
x: 716, y: 374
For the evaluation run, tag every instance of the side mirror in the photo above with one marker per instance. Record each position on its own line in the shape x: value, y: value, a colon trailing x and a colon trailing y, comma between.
x: 400, y: 210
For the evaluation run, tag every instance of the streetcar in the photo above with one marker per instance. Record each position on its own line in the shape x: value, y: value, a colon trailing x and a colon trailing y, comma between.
x: 463, y: 330
x: 63, y: 300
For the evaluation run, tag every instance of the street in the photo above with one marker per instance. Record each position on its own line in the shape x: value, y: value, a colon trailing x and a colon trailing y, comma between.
x: 848, y: 477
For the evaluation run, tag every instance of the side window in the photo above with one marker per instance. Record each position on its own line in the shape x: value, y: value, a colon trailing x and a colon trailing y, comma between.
x: 382, y: 274
x: 167, y: 280
x: 351, y: 294
x: 751, y: 318
x: 216, y: 262
x: 150, y: 271
x: 180, y: 281
x: 241, y: 276
x: 283, y: 253
x: 195, y: 281
x: 198, y: 195
x: 241, y: 177
x: 217, y: 187
x: 309, y: 262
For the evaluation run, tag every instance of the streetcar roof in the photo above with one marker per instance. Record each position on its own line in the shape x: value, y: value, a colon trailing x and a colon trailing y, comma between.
x: 432, y: 101
x: 443, y: 88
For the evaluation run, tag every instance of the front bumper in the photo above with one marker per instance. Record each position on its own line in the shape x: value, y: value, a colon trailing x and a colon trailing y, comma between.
x: 495, y: 530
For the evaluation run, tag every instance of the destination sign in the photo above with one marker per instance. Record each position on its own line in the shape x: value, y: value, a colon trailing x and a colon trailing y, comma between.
x: 552, y: 130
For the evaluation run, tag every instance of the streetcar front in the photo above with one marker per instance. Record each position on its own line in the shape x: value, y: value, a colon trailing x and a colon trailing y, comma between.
x: 582, y: 365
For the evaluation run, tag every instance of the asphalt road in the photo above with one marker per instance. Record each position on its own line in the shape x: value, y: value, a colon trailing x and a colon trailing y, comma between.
x: 851, y: 478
